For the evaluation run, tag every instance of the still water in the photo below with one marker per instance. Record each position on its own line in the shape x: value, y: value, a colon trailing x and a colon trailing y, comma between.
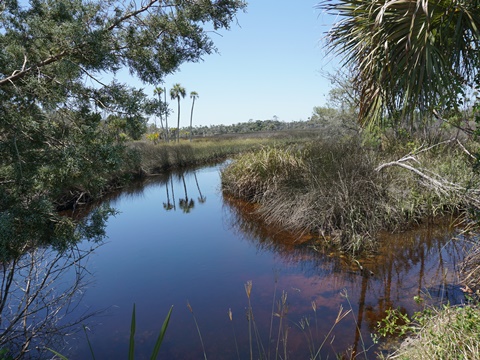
x: 177, y: 240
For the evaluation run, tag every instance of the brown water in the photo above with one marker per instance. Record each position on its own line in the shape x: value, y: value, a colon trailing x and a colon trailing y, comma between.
x: 177, y: 240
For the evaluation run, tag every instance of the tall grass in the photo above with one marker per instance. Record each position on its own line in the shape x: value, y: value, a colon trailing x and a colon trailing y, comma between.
x: 276, y: 346
x: 160, y: 157
x: 332, y: 189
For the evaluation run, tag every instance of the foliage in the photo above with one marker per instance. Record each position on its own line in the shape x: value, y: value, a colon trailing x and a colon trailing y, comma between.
x: 61, y: 126
x: 409, y: 57
x: 336, y: 191
x: 446, y: 333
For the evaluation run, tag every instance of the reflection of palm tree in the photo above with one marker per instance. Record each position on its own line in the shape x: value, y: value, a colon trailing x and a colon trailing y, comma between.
x: 186, y: 204
x: 177, y: 92
x: 169, y: 205
x: 201, y: 198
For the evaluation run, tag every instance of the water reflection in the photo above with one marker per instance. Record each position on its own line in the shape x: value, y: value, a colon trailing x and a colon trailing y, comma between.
x: 420, y: 263
x: 40, y: 293
x: 204, y: 254
x: 186, y: 204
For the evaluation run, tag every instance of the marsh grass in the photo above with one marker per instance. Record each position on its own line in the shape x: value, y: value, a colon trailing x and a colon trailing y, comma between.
x: 333, y: 190
x: 447, y: 333
x: 158, y: 158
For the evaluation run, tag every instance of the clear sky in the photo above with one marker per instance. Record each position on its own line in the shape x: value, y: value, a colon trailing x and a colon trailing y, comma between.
x: 271, y: 63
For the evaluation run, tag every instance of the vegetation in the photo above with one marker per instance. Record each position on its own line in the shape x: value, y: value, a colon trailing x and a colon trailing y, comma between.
x: 155, y: 159
x: 62, y: 128
x: 411, y: 58
x: 176, y: 93
x: 193, y: 96
x: 444, y: 334
x: 337, y: 192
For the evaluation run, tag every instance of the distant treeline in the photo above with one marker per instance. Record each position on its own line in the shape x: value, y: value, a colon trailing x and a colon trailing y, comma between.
x: 321, y: 117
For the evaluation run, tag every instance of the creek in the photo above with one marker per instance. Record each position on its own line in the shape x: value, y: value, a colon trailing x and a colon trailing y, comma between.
x: 176, y: 240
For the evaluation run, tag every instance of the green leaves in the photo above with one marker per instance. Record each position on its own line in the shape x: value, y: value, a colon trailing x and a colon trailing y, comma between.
x: 61, y: 125
x: 407, y: 55
x: 158, y: 343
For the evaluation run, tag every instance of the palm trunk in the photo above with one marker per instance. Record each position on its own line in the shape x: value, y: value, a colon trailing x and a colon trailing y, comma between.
x: 178, y: 122
x: 166, y: 116
x: 191, y: 118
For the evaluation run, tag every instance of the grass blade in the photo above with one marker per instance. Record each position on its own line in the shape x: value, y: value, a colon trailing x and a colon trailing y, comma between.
x: 131, y: 349
x: 88, y: 341
x: 57, y: 354
x: 156, y: 349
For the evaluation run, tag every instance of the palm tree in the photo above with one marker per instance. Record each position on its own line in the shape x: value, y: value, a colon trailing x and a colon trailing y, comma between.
x: 408, y: 56
x: 177, y: 92
x: 159, y: 91
x: 193, y: 96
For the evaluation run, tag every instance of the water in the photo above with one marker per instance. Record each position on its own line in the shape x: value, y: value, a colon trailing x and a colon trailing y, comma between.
x: 163, y: 250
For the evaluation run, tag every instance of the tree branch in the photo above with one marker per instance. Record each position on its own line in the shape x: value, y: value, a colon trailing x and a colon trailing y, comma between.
x: 18, y: 74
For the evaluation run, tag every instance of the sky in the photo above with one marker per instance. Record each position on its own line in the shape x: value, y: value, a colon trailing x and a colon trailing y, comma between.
x: 270, y: 64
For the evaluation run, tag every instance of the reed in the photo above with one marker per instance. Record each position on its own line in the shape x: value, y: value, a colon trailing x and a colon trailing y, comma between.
x: 198, y: 330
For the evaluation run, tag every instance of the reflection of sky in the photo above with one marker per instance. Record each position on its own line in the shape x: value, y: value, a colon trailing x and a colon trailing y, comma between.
x: 157, y: 258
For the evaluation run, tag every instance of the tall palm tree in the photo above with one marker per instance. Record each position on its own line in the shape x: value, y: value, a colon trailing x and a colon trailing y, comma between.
x: 177, y: 92
x: 408, y: 56
x: 193, y: 96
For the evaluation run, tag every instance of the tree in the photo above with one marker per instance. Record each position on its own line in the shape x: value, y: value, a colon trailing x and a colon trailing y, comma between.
x: 56, y: 150
x: 159, y: 91
x: 159, y: 108
x: 177, y: 92
x: 410, y: 57
x: 193, y: 96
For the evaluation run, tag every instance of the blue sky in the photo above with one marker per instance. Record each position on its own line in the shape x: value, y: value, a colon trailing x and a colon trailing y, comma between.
x: 270, y: 64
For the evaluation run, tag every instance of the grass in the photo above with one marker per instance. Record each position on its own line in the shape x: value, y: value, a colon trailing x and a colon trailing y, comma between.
x: 161, y: 157
x: 131, y: 347
x: 445, y: 334
x: 276, y: 345
x: 331, y: 189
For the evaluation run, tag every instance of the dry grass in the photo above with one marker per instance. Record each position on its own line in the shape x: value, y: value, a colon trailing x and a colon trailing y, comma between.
x: 332, y: 189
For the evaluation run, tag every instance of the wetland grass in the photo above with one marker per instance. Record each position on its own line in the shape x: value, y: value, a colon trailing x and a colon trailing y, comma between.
x: 161, y: 157
x: 335, y: 191
x: 446, y: 333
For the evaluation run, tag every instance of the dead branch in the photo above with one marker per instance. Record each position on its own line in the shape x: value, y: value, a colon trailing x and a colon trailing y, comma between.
x: 432, y: 179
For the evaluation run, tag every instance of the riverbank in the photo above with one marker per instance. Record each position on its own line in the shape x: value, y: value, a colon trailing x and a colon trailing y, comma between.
x: 141, y: 159
x: 344, y: 192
